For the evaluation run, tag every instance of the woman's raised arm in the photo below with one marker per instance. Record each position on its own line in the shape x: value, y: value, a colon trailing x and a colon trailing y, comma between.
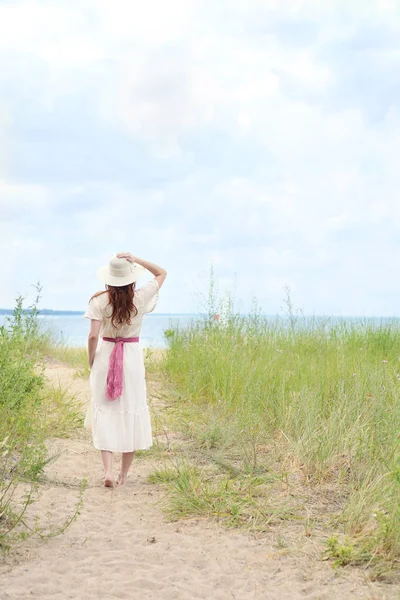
x: 158, y: 272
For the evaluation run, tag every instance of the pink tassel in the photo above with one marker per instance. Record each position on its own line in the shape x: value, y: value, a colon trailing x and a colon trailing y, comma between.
x: 115, y: 375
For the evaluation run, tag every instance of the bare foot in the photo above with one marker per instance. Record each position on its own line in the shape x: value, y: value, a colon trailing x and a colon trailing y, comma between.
x: 108, y: 481
x: 121, y: 479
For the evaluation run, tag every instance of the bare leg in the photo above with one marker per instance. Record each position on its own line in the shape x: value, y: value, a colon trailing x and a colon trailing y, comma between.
x: 127, y: 458
x: 107, y: 462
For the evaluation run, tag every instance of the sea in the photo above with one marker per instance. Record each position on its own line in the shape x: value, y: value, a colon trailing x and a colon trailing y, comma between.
x: 72, y: 328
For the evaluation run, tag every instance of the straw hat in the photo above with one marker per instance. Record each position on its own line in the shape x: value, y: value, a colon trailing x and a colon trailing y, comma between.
x: 119, y: 272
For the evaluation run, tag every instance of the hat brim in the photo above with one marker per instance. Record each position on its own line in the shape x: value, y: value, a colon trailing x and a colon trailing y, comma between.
x: 105, y: 276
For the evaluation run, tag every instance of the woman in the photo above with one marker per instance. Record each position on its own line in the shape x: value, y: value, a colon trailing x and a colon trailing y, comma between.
x: 119, y: 414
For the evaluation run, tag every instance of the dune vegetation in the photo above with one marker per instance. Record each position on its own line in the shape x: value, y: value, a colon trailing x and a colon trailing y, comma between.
x: 30, y: 413
x: 289, y: 419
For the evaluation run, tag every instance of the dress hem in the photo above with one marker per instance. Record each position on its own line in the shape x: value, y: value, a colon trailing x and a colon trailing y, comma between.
x: 123, y: 451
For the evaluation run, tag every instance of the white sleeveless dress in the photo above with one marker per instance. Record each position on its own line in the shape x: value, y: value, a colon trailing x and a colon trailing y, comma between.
x: 121, y: 425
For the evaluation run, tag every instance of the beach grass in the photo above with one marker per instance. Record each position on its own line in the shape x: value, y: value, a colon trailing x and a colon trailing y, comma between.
x: 30, y: 413
x: 315, y: 403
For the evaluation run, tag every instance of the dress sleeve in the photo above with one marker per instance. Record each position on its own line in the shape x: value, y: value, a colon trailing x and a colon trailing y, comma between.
x: 94, y: 310
x: 149, y: 293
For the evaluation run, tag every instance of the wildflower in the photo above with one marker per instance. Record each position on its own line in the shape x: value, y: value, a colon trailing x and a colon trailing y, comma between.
x: 280, y: 351
x: 384, y: 361
x: 354, y: 374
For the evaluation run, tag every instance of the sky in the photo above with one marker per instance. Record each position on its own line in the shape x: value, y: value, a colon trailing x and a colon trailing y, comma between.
x: 259, y: 138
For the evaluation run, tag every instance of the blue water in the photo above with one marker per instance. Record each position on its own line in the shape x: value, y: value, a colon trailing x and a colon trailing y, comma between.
x: 73, y: 329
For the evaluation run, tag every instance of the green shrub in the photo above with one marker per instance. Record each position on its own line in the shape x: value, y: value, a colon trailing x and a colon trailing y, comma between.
x: 27, y: 417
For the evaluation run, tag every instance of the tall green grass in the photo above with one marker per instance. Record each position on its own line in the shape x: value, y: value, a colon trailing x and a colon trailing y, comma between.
x: 29, y: 414
x: 318, y: 398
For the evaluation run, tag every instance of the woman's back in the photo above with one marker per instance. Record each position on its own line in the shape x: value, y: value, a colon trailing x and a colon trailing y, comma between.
x: 145, y: 300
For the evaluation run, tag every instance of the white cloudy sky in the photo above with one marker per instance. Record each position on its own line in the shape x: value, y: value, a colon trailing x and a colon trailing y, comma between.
x: 258, y: 136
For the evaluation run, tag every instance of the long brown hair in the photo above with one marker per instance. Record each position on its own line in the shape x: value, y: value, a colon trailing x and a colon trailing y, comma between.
x: 121, y: 300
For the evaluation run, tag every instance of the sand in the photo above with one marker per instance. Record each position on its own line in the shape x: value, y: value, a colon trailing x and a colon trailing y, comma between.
x: 121, y: 546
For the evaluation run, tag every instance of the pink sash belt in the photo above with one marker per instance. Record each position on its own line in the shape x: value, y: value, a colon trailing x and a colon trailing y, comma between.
x: 115, y: 376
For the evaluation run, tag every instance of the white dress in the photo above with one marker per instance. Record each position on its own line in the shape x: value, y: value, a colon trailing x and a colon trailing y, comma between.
x: 121, y: 425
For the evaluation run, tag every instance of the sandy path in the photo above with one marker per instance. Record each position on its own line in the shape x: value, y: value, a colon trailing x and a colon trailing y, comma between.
x: 121, y: 546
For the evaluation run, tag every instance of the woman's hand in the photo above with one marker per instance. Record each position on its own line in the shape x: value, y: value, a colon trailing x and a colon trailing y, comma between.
x: 126, y: 255
x: 159, y: 273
